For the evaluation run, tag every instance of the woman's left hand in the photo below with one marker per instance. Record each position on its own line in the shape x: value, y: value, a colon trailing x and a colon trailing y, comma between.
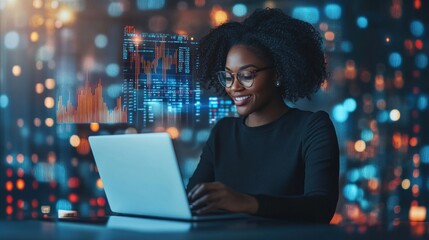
x: 206, y: 197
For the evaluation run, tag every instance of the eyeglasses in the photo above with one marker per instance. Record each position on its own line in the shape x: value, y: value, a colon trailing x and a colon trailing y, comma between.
x: 244, y: 77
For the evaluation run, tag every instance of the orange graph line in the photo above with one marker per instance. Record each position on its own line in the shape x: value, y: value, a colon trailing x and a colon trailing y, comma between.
x: 151, y: 65
x: 90, y: 108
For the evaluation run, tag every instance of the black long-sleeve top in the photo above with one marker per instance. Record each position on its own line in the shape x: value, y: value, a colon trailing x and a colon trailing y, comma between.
x: 290, y: 166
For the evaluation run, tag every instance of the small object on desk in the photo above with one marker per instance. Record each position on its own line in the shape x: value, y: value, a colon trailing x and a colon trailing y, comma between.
x: 67, y: 213
x: 45, y: 209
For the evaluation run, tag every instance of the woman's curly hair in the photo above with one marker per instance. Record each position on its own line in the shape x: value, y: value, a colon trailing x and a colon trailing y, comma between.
x: 294, y: 46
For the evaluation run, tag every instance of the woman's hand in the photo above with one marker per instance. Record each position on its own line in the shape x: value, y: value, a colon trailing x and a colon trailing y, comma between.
x: 206, y: 197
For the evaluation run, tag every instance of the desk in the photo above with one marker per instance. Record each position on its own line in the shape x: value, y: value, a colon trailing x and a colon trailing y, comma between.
x: 142, y: 228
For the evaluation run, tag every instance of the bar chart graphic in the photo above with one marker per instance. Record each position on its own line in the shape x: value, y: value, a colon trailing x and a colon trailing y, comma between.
x: 90, y: 107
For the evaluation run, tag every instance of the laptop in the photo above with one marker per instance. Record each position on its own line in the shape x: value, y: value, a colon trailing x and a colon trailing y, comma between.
x: 141, y: 177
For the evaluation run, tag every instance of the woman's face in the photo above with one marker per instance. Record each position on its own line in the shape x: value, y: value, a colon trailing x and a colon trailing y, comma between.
x: 263, y: 92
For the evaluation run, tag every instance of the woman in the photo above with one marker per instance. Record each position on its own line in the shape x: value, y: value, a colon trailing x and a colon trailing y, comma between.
x: 273, y: 161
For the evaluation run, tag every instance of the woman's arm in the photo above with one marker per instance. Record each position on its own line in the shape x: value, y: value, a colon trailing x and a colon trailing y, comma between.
x: 205, y: 169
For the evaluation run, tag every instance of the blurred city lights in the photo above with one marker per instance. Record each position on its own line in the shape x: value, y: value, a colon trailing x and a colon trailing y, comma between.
x: 333, y: 11
x: 417, y: 213
x: 11, y: 40
x: 421, y: 60
x: 115, y: 9
x: 34, y: 36
x: 49, y: 122
x: 395, y: 115
x: 422, y: 102
x: 94, y: 127
x: 329, y: 36
x: 239, y: 10
x: 65, y: 15
x: 50, y: 83
x: 339, y: 113
x: 101, y: 41
x: 350, y: 104
x: 424, y: 154
x: 49, y: 102
x: 218, y: 16
x: 360, y: 146
x: 174, y: 132
x: 350, y: 192
x: 308, y: 14
x: 362, y: 22
x: 346, y: 46
x: 150, y: 4
x: 417, y: 28
x: 99, y: 184
x: 4, y: 101
x: 395, y: 59
x: 74, y: 141
x: 112, y: 70
x: 367, y: 135
x: 39, y: 88
x: 16, y: 70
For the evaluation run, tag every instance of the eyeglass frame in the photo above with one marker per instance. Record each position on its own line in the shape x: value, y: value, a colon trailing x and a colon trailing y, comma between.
x: 235, y: 76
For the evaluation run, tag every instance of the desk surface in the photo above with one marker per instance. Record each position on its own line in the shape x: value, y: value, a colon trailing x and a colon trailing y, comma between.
x: 143, y: 228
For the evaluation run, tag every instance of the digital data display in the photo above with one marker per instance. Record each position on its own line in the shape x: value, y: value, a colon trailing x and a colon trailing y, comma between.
x: 158, y: 86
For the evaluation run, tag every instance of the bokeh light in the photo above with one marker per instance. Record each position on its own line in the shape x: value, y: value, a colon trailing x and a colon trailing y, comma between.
x: 406, y: 184
x: 49, y: 102
x: 39, y: 88
x: 239, y: 10
x: 422, y: 102
x: 115, y: 9
x: 340, y: 113
x: 94, y: 127
x: 65, y: 15
x: 362, y: 22
x: 218, y: 16
x: 395, y: 115
x: 11, y: 40
x: 74, y: 141
x: 417, y: 28
x: 350, y: 192
x: 329, y: 36
x: 20, y: 184
x: 50, y: 83
x: 360, y: 146
x: 173, y: 131
x: 49, y: 122
x: 4, y: 101
x: 333, y: 11
x: 16, y: 70
x: 421, y: 60
x: 34, y: 36
x: 346, y: 46
x: 350, y: 104
x: 112, y: 70
x: 37, y: 4
x: 150, y: 4
x: 101, y: 41
x: 308, y: 14
x: 99, y: 184
x: 424, y: 154
x: 395, y: 59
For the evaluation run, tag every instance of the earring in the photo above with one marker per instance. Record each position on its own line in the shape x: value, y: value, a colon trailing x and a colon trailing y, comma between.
x: 277, y: 83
